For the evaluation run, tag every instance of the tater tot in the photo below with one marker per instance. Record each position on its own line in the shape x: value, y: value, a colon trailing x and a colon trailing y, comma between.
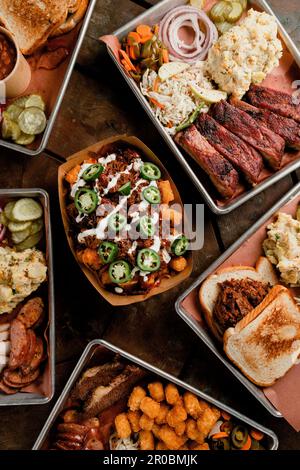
x: 172, y: 394
x: 146, y: 440
x: 176, y: 415
x: 161, y: 446
x: 134, y: 420
x: 137, y: 395
x: 122, y: 426
x: 207, y: 420
x: 180, y: 428
x: 203, y: 446
x: 185, y: 447
x: 155, y: 430
x: 146, y: 423
x: 156, y: 391
x: 178, y: 264
x: 170, y: 438
x: 193, y: 432
x: 192, y: 405
x: 161, y: 417
x: 150, y: 407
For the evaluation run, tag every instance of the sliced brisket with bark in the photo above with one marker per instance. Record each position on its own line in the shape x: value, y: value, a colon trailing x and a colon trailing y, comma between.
x: 238, y: 122
x: 221, y: 172
x: 243, y: 157
x: 287, y: 128
x: 274, y: 100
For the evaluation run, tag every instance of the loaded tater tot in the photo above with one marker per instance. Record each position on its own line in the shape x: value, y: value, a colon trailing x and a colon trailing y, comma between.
x: 161, y: 446
x: 146, y: 423
x: 192, y: 405
x: 156, y: 391
x: 134, y: 420
x: 163, y: 411
x: 146, y: 440
x: 176, y: 415
x: 150, y: 407
x: 204, y: 446
x: 122, y: 426
x: 170, y: 438
x: 137, y: 395
x: 193, y: 432
x: 172, y: 394
x: 207, y: 420
x: 155, y: 431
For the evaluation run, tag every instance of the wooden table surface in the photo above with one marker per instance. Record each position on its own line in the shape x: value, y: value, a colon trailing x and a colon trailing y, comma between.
x: 97, y: 105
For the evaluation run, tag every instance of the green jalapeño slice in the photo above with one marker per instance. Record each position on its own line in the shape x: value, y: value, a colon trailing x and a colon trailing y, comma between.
x: 86, y: 200
x: 148, y: 260
x: 119, y: 272
x: 150, y: 172
x: 108, y: 252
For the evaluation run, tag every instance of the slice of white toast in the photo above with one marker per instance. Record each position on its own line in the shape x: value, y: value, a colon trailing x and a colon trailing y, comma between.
x: 209, y: 291
x: 265, y: 344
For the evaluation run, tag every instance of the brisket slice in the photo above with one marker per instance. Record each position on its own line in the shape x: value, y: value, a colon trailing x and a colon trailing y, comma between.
x: 95, y: 376
x: 274, y: 100
x: 287, y: 128
x: 221, y: 172
x: 243, y: 157
x: 238, y: 122
x: 103, y: 397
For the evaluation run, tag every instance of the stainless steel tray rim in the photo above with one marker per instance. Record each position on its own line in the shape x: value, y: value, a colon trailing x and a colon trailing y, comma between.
x: 255, y: 391
x: 38, y: 400
x: 84, y: 357
x: 160, y: 9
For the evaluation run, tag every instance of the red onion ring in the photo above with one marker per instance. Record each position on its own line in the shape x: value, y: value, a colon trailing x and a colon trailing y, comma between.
x: 2, y: 228
x: 190, y: 17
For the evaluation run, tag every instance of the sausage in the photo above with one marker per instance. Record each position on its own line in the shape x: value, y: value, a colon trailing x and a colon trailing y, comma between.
x: 63, y: 445
x: 19, y: 344
x: 63, y: 436
x: 32, y: 340
x: 31, y: 312
x: 37, y: 357
x: 6, y: 389
x: 94, y: 444
x: 9, y: 317
x: 72, y: 428
x: 17, y: 379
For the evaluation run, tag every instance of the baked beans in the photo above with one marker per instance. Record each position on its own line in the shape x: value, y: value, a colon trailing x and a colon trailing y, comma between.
x: 8, y: 56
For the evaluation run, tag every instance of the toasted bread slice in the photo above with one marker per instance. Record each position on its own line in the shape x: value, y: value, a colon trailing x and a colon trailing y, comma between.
x: 32, y: 22
x: 209, y: 291
x: 265, y: 344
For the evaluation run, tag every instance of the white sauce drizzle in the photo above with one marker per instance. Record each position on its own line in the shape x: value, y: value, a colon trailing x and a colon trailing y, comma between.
x: 166, y: 257
x: 156, y: 245
x: 114, y: 180
x: 133, y: 248
x: 80, y: 182
x: 119, y: 290
x: 110, y: 158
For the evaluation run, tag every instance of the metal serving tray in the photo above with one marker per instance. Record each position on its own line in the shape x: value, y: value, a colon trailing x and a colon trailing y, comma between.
x: 152, y: 16
x: 203, y: 333
x: 33, y: 398
x: 62, y: 91
x: 83, y: 362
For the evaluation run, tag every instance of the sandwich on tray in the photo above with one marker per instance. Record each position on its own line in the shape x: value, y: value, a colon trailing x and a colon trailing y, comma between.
x: 32, y: 23
x: 256, y: 319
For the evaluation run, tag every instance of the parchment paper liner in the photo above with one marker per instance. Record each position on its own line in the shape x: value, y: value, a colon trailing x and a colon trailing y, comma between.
x: 147, y: 155
x: 284, y: 395
x: 281, y: 78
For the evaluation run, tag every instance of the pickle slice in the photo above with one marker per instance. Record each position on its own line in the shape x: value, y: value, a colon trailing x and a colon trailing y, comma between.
x: 244, y: 4
x: 32, y: 121
x: 13, y: 112
x: 36, y: 226
x: 197, y: 4
x: 21, y: 102
x: 10, y: 129
x: 220, y: 11
x: 19, y: 237
x: 8, y: 210
x: 223, y: 27
x: 30, y: 242
x: 3, y: 219
x: 25, y: 139
x: 209, y: 96
x: 19, y: 226
x: 35, y: 101
x: 27, y: 209
x: 235, y: 13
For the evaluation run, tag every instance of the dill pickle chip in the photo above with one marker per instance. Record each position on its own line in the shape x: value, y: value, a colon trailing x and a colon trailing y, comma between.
x: 21, y: 101
x: 30, y: 241
x: 244, y: 4
x: 36, y: 226
x: 10, y: 129
x: 19, y: 237
x: 32, y: 121
x: 223, y: 27
x: 35, y: 101
x: 3, y: 219
x: 8, y: 210
x: 27, y: 209
x: 13, y: 112
x: 25, y: 139
x: 19, y: 226
x: 220, y: 11
x: 235, y: 13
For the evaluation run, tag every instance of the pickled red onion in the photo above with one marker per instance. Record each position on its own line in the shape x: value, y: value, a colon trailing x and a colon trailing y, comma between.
x: 192, y: 18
